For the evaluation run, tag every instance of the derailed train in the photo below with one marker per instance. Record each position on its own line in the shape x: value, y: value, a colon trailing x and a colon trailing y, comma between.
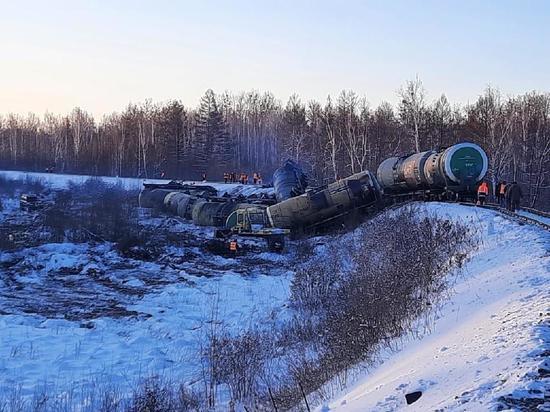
x: 453, y: 173
x: 326, y: 204
x: 192, y: 204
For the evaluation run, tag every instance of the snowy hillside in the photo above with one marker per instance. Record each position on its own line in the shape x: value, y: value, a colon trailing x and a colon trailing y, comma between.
x: 491, y: 340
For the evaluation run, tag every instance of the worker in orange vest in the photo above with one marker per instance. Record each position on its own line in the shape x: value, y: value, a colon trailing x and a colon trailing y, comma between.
x: 482, y: 193
x: 233, y: 246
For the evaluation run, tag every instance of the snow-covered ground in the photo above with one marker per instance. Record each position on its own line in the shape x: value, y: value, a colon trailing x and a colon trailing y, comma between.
x: 492, y: 338
x: 79, y: 317
x: 60, y: 181
x: 127, y: 319
x: 60, y: 355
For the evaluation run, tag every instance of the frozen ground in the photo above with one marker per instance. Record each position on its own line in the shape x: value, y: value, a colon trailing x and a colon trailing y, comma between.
x: 59, y: 181
x: 77, y: 317
x: 490, y: 345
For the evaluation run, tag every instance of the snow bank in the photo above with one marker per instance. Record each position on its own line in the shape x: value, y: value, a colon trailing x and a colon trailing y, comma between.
x: 486, y: 342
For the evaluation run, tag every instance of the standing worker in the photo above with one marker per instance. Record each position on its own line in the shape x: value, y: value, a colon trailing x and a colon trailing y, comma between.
x: 225, y: 177
x: 498, y: 194
x: 501, y: 193
x: 482, y: 193
x: 514, y: 195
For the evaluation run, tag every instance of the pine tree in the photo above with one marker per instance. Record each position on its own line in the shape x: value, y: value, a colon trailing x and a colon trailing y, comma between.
x: 171, y: 119
x: 213, y: 149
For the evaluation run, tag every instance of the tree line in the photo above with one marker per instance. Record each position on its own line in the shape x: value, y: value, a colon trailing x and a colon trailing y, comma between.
x: 254, y: 131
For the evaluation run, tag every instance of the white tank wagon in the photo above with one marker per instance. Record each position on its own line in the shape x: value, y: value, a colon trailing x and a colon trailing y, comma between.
x: 455, y: 170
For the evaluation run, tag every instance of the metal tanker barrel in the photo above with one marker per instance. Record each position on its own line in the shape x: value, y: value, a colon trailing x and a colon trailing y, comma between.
x: 404, y: 173
x: 388, y: 172
x: 214, y: 213
x: 204, y: 211
x: 289, y: 181
x: 152, y: 198
x: 412, y: 169
x: 459, y: 167
x: 179, y: 203
x: 356, y: 191
x: 463, y: 164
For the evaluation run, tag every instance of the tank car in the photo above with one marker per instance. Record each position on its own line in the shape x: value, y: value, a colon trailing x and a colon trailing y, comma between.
x: 324, y: 204
x: 289, y: 181
x: 152, y: 198
x: 180, y: 204
x: 207, y: 213
x: 455, y: 171
x: 200, y: 210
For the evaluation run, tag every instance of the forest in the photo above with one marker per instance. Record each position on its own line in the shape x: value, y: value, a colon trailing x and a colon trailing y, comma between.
x: 254, y: 131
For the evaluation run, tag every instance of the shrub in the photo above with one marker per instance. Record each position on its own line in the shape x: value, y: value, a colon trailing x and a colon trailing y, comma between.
x: 95, y: 211
x: 365, y: 289
x: 155, y: 395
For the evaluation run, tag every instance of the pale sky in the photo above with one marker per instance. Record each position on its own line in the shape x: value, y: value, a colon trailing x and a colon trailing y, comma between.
x: 101, y: 55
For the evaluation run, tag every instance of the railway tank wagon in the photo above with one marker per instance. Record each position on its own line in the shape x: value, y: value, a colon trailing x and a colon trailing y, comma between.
x: 288, y: 181
x: 152, y: 198
x: 201, y: 211
x: 450, y: 173
x: 323, y: 205
x: 207, y: 213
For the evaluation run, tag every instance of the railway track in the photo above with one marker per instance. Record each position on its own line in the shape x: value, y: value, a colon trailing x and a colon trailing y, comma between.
x: 516, y: 217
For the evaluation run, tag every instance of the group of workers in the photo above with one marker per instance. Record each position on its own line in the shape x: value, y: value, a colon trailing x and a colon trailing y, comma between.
x: 243, y: 178
x: 507, y: 195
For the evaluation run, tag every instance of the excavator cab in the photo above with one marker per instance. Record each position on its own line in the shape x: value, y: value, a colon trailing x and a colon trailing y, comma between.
x: 246, y: 220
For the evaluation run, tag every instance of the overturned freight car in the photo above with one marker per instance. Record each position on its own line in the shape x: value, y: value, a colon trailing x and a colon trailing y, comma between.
x: 289, y: 180
x: 322, y: 208
x: 203, y: 210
